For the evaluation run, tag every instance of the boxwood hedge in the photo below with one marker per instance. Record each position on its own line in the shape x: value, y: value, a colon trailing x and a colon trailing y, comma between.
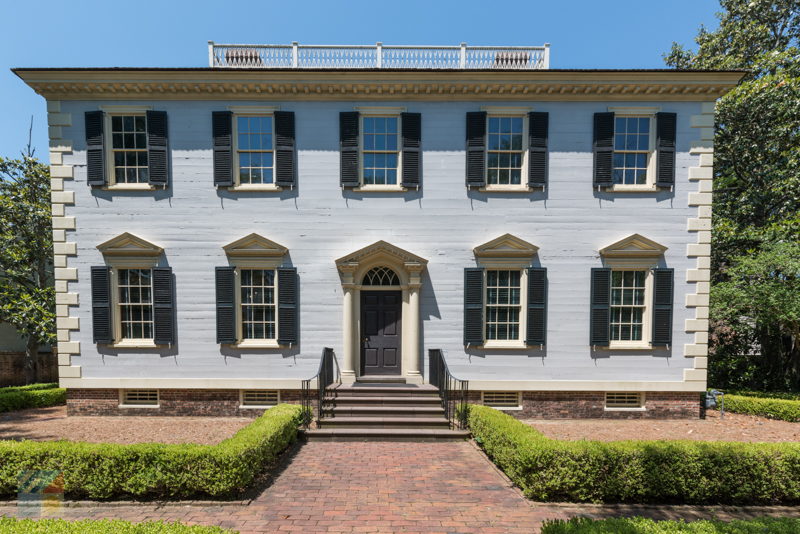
x: 638, y: 525
x: 105, y: 526
x: 32, y: 396
x: 783, y: 409
x: 690, y: 472
x: 104, y: 471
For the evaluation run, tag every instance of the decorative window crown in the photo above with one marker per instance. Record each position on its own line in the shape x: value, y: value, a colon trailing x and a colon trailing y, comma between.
x: 381, y: 276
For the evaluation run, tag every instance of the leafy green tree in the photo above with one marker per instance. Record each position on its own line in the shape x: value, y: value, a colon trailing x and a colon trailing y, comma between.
x: 756, y: 182
x: 27, y: 294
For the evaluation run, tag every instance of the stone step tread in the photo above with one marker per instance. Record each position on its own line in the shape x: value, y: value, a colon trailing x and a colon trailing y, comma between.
x: 386, y: 420
x: 383, y: 399
x: 399, y: 410
x: 384, y: 389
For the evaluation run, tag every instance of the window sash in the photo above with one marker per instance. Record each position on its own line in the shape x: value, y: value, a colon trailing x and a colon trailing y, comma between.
x: 506, y: 166
x: 628, y: 305
x: 258, y: 309
x: 128, y: 148
x: 246, y: 156
x: 135, y: 304
x: 627, y: 167
x: 380, y: 166
x: 503, y: 308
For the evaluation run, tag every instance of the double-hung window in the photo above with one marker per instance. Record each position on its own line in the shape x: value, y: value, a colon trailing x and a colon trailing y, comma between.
x: 628, y: 305
x: 380, y: 153
x: 632, y: 150
x: 503, y: 305
x: 129, y: 149
x: 505, y: 154
x: 135, y: 304
x: 255, y: 149
x: 258, y: 314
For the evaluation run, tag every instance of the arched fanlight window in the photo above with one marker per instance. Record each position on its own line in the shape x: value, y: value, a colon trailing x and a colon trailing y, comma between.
x: 381, y: 276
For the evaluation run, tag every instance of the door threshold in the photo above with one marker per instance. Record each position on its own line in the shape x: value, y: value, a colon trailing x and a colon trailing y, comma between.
x: 380, y: 379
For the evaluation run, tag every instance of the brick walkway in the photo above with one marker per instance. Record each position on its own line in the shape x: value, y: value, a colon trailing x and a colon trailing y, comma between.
x: 388, y: 487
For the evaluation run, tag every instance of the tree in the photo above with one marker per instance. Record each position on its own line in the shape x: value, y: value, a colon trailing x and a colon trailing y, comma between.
x: 756, y: 183
x: 27, y: 295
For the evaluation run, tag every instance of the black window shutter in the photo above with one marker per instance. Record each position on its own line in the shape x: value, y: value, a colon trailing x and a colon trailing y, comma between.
x: 603, y: 148
x: 662, y: 306
x: 348, y: 149
x: 665, y: 149
x: 163, y: 306
x: 411, y: 124
x: 102, y: 331
x: 226, y: 303
x: 285, y: 155
x: 95, y: 148
x: 600, y: 312
x: 222, y: 130
x: 538, y: 124
x: 476, y: 149
x: 537, y: 307
x: 157, y: 143
x: 473, y: 306
x: 287, y: 306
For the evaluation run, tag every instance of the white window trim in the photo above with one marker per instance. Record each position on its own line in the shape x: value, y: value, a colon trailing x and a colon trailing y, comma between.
x: 645, y: 342
x: 516, y: 408
x: 243, y: 406
x: 251, y: 111
x: 494, y: 112
x: 115, y: 265
x: 108, y: 146
x: 518, y: 343
x: 388, y: 112
x: 122, y: 403
x: 641, y: 408
x: 266, y: 264
x: 650, y: 185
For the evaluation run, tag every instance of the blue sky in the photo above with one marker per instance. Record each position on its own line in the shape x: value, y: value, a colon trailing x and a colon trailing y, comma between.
x: 173, y: 33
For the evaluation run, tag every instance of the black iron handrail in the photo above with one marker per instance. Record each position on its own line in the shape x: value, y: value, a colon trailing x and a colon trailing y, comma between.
x: 453, y: 391
x: 327, y: 375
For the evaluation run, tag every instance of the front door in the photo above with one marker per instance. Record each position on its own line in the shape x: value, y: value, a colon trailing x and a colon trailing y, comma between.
x: 380, y: 332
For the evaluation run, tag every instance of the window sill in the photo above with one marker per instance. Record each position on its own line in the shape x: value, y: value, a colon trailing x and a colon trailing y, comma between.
x: 632, y: 188
x: 255, y: 188
x: 380, y: 189
x: 504, y: 345
x: 129, y: 187
x: 506, y: 189
x: 256, y: 407
x: 135, y: 344
x: 620, y: 409
x: 631, y: 346
x: 505, y: 408
x: 139, y: 406
x: 258, y: 344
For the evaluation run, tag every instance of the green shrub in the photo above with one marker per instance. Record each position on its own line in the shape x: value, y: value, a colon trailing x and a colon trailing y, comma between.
x: 639, y: 525
x: 104, y: 471
x: 785, y: 395
x: 21, y: 399
x: 104, y: 526
x: 785, y: 410
x: 29, y: 387
x: 689, y: 472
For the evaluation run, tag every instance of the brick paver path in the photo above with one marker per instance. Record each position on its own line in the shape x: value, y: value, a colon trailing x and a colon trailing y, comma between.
x: 387, y: 487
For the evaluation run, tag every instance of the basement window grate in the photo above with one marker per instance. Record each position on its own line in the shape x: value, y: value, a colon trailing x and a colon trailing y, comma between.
x: 501, y: 399
x: 624, y: 400
x: 140, y: 397
x: 259, y: 397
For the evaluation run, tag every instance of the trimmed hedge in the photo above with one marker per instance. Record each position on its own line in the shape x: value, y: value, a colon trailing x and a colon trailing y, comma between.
x: 32, y: 396
x: 785, y: 395
x: 103, y: 526
x: 785, y: 410
x: 105, y: 471
x: 690, y: 472
x: 640, y: 525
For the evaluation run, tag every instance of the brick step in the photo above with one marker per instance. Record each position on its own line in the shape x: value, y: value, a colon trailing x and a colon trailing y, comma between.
x: 383, y: 400
x: 384, y: 422
x: 384, y: 434
x: 384, y: 411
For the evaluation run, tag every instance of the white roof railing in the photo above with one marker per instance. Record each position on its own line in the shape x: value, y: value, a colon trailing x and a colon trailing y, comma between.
x: 380, y: 56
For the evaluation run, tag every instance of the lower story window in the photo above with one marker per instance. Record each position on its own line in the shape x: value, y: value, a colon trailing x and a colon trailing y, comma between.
x: 627, y: 305
x: 135, y: 303
x: 140, y: 397
x: 624, y: 400
x: 259, y: 316
x: 503, y: 305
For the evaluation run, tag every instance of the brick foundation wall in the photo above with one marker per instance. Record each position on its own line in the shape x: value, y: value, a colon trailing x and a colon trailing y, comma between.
x: 591, y: 405
x: 171, y: 402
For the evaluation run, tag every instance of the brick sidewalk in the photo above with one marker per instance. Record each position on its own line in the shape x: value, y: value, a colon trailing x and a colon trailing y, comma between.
x: 389, y: 487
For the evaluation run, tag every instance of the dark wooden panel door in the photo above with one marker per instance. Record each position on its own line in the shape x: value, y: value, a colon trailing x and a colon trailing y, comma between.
x: 380, y: 332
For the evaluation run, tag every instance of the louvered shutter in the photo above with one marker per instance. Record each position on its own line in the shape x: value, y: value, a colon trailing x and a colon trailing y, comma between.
x: 157, y: 147
x: 476, y: 149
x: 538, y: 124
x: 662, y: 306
x: 222, y: 130
x: 411, y: 124
x: 163, y: 306
x: 95, y: 148
x: 348, y: 149
x: 473, y: 306
x: 226, y: 302
x: 102, y: 331
x: 285, y: 155
x: 600, y: 311
x: 665, y: 149
x: 287, y: 306
x: 603, y: 148
x: 536, y: 333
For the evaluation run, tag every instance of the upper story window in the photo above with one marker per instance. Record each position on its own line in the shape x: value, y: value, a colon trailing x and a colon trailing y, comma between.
x: 129, y: 149
x: 380, y: 150
x: 632, y: 150
x: 255, y: 149
x: 505, y: 150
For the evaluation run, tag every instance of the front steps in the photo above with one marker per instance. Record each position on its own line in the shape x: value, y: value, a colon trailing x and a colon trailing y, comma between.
x: 371, y: 411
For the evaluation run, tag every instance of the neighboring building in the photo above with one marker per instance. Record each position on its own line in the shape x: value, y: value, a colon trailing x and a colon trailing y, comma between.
x: 215, y: 228
x: 12, y: 359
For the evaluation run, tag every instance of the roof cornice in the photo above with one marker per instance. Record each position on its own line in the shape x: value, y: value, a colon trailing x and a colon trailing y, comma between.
x: 250, y: 84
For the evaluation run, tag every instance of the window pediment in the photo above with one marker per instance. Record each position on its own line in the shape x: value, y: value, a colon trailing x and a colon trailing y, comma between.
x: 254, y: 246
x: 128, y: 244
x: 633, y: 246
x: 506, y: 246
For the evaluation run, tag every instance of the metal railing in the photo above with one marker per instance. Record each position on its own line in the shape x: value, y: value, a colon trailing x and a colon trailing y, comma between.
x: 327, y: 375
x: 454, y: 392
x: 380, y: 56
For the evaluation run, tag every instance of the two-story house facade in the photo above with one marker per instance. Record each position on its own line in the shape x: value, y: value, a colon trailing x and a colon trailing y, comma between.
x: 548, y: 230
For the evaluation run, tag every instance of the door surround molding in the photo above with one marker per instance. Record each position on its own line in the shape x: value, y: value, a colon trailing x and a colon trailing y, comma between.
x: 409, y: 268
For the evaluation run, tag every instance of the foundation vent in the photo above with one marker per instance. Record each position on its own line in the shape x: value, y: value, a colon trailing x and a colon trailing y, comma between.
x: 140, y: 397
x: 624, y: 400
x: 501, y: 399
x: 259, y: 397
